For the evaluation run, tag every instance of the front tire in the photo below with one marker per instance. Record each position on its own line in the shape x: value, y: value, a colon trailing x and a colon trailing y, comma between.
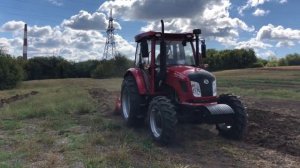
x: 162, y: 120
x: 237, y: 129
x: 130, y: 102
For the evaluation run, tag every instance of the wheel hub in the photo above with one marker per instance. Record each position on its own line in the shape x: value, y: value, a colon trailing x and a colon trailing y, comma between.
x: 125, y: 103
x: 156, y: 122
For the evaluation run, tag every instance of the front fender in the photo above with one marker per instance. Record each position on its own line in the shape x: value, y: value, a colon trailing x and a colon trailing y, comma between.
x: 137, y: 74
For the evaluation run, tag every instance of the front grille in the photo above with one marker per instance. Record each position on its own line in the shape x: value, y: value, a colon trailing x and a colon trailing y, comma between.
x: 205, y: 80
x: 206, y: 89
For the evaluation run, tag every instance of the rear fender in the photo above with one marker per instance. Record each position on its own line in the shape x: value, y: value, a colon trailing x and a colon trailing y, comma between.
x: 137, y: 74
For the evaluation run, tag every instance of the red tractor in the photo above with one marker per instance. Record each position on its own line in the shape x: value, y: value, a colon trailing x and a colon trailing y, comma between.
x: 169, y: 84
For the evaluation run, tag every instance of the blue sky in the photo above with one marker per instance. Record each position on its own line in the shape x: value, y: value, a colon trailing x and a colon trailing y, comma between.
x: 75, y: 29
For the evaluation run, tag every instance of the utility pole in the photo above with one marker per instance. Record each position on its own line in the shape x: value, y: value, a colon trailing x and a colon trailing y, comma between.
x: 25, y: 45
x: 110, y: 45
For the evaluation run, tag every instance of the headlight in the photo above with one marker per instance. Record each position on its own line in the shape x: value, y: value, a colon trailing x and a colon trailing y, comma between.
x: 214, y: 87
x: 196, y: 89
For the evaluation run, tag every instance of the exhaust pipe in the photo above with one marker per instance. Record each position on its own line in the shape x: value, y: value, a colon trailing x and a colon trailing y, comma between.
x: 197, y: 32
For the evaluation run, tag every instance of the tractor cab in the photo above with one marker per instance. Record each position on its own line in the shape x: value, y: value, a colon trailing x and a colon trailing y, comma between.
x: 158, y: 53
x: 179, y: 49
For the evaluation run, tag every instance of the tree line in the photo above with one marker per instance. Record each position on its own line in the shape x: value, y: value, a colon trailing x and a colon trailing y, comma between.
x: 13, y: 70
x: 231, y: 59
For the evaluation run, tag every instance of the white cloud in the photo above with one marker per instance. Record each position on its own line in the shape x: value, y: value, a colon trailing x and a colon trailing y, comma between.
x: 270, y: 32
x: 255, y: 3
x: 213, y: 19
x: 77, y: 38
x: 125, y: 47
x: 283, y: 1
x: 267, y: 54
x: 251, y: 4
x: 36, y: 31
x: 11, y: 46
x: 252, y: 43
x: 86, y: 21
x: 4, y: 45
x: 12, y: 25
x: 56, y: 2
x: 164, y: 9
x: 260, y: 12
x: 285, y: 44
x: 70, y: 43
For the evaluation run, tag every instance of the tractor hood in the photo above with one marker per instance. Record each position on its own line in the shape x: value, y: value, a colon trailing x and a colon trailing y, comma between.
x: 188, y: 71
x: 205, y: 79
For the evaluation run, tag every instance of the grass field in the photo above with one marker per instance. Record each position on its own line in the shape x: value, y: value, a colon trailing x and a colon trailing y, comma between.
x: 70, y: 123
x: 263, y: 83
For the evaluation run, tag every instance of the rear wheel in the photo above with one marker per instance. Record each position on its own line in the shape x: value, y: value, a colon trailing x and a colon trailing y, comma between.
x: 237, y: 128
x: 130, y: 102
x: 162, y: 120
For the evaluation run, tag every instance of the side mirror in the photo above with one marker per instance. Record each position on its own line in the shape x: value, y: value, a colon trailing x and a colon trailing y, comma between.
x: 203, y: 49
x: 144, y: 49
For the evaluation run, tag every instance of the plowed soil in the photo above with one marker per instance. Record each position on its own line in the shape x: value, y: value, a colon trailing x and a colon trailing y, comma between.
x: 273, y: 138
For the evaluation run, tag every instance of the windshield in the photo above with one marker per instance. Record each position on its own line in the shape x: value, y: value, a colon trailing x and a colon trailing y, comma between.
x: 176, y: 53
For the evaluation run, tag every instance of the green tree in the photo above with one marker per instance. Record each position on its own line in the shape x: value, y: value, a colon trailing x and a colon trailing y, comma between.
x: 230, y: 59
x: 121, y: 64
x: 11, y: 73
x: 104, y: 70
x: 293, y: 59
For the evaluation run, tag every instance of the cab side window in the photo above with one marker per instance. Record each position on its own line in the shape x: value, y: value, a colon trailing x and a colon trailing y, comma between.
x: 137, y: 54
x: 139, y: 57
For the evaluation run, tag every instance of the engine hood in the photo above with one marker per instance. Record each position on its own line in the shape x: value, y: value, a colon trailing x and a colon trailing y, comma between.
x: 205, y: 79
x: 184, y: 72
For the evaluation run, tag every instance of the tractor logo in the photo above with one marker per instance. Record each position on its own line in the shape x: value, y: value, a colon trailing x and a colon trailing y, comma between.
x: 206, y: 81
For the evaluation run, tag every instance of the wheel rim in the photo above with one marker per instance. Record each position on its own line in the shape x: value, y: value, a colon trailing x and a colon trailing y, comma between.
x: 156, y: 122
x: 125, y: 103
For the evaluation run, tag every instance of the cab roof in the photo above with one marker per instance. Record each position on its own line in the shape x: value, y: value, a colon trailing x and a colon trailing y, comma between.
x: 168, y: 36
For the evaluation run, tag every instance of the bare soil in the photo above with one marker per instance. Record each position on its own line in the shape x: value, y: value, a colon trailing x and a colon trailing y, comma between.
x: 16, y: 98
x: 273, y: 138
x: 274, y: 124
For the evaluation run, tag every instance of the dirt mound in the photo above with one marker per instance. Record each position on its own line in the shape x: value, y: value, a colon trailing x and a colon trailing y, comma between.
x: 275, y: 131
x: 106, y: 100
x: 16, y: 98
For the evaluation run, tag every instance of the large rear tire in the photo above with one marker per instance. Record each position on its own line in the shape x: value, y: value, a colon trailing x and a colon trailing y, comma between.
x: 130, y: 102
x: 162, y: 120
x: 238, y: 127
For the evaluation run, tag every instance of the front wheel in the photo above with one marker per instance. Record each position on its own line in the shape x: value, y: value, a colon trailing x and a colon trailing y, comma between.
x: 238, y: 127
x: 130, y: 102
x: 162, y: 120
